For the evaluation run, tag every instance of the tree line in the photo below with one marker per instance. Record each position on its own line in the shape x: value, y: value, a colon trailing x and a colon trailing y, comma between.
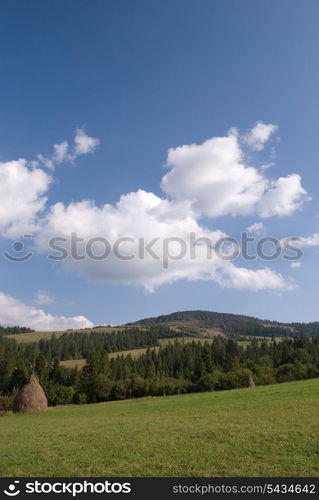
x: 174, y: 368
x: 14, y: 330
x: 77, y: 345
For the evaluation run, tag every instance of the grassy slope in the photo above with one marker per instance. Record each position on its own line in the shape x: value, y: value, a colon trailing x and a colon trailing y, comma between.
x: 36, y: 336
x: 135, y: 353
x: 79, y: 363
x: 266, y: 431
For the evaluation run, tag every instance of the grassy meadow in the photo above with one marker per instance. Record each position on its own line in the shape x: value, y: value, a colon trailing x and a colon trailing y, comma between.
x: 135, y: 353
x: 265, y: 431
x: 27, y: 338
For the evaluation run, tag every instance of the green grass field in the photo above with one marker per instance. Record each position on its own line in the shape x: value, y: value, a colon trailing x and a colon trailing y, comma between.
x: 266, y: 431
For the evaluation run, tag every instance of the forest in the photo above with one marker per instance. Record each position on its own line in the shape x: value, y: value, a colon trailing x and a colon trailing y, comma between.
x: 173, y: 368
x: 75, y: 345
x: 234, y: 325
x: 14, y: 330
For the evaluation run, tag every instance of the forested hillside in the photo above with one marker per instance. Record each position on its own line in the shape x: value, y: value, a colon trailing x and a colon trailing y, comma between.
x: 233, y: 325
x: 190, y: 323
x: 173, y: 368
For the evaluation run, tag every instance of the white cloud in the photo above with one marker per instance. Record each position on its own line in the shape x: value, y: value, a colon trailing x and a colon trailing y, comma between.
x: 249, y: 279
x: 216, y: 178
x: 43, y: 160
x: 302, y: 242
x: 295, y: 264
x: 84, y: 144
x: 259, y: 135
x: 22, y: 197
x: 282, y: 197
x: 212, y: 178
x: 256, y: 227
x: 23, y: 185
x: 63, y: 152
x: 15, y: 312
x: 308, y: 241
x: 144, y: 215
x: 43, y: 298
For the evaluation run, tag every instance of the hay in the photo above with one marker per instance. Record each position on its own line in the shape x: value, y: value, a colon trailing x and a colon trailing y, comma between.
x: 30, y: 398
x: 250, y: 382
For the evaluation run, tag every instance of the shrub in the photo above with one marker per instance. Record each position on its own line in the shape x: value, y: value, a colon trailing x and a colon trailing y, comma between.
x: 119, y: 390
x: 264, y: 375
x: 60, y: 395
x: 233, y: 380
x: 138, y: 387
x: 5, y: 404
x: 79, y: 398
x: 206, y: 383
x: 102, y: 388
x: 291, y: 371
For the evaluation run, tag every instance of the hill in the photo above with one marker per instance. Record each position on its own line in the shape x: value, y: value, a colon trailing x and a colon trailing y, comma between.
x: 265, y: 431
x: 209, y: 323
x: 198, y: 323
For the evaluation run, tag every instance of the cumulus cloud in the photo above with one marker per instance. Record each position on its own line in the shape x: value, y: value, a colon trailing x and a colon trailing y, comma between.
x: 63, y: 152
x: 211, y: 179
x: 249, y: 279
x: 257, y: 137
x: 23, y: 185
x: 144, y: 220
x: 84, y: 144
x: 22, y: 194
x: 15, y: 312
x: 282, y: 197
x: 216, y: 178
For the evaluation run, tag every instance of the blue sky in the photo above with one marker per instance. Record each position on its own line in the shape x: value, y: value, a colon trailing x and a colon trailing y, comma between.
x: 143, y: 77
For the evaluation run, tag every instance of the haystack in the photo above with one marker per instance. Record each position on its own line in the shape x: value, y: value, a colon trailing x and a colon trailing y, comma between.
x: 250, y: 382
x: 31, y: 398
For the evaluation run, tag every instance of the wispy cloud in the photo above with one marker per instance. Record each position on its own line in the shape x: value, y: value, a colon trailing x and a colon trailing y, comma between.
x: 83, y: 144
x: 256, y: 227
x: 42, y: 298
x: 295, y: 264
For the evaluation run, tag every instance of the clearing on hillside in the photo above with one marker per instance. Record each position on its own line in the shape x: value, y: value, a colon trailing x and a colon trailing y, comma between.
x: 135, y: 353
x: 30, y: 337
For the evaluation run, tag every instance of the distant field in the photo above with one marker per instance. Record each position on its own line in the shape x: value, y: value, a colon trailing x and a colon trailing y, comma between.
x: 206, y: 333
x: 186, y: 327
x: 79, y: 363
x: 135, y: 353
x: 260, y: 338
x: 265, y: 431
x: 36, y: 336
x: 245, y: 343
x: 73, y: 363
